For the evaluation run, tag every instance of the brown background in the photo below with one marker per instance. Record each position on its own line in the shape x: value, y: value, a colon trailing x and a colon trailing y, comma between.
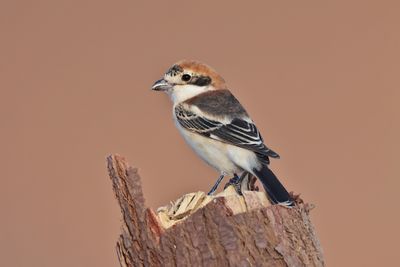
x: 321, y: 79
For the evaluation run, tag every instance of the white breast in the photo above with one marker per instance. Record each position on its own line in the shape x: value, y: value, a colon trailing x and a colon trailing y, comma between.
x: 221, y: 156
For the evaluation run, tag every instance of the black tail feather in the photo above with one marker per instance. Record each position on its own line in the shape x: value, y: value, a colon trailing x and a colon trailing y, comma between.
x: 276, y: 192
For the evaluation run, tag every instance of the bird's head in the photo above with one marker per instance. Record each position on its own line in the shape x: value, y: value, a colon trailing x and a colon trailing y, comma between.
x: 188, y: 78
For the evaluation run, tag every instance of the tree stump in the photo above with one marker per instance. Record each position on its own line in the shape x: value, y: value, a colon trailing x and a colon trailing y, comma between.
x: 200, y: 230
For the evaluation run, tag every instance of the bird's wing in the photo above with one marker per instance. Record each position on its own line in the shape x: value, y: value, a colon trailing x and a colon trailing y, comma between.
x: 237, y: 131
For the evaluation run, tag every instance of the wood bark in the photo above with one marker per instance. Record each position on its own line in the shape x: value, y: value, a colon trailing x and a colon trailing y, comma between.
x: 197, y: 230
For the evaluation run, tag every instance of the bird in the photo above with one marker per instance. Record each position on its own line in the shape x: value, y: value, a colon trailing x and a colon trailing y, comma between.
x: 218, y: 128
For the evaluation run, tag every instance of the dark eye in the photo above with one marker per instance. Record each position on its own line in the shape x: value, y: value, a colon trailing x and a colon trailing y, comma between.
x: 186, y: 77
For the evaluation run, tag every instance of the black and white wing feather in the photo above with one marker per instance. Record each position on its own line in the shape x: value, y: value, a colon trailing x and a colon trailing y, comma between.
x: 237, y: 132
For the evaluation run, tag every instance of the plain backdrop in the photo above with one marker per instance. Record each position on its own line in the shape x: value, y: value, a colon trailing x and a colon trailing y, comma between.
x: 320, y: 79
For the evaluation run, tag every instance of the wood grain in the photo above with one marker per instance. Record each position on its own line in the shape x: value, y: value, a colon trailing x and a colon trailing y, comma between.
x: 225, y: 230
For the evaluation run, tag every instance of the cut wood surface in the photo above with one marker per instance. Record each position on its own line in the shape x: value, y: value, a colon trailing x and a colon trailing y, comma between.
x: 200, y: 230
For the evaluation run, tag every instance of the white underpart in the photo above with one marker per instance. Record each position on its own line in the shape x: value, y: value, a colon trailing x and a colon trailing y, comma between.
x: 225, y: 158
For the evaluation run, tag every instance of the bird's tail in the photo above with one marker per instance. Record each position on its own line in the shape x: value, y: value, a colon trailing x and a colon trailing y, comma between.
x: 276, y: 192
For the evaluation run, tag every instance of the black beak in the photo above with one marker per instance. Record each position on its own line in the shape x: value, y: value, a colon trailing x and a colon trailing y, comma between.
x: 161, y: 85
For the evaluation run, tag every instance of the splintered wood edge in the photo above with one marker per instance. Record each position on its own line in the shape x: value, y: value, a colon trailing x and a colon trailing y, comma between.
x: 186, y: 205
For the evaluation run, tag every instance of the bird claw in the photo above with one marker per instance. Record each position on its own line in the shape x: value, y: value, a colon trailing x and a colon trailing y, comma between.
x: 236, y: 182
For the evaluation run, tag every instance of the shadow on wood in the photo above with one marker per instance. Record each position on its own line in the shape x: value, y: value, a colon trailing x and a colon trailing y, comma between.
x: 198, y: 230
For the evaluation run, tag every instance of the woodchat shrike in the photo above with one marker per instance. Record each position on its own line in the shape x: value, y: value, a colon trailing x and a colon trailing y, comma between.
x: 218, y: 128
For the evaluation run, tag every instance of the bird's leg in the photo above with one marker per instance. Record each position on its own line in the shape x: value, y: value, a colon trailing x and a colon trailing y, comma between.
x: 214, y: 188
x: 236, y: 182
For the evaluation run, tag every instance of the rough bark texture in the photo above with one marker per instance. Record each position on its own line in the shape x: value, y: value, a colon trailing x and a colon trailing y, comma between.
x: 213, y: 235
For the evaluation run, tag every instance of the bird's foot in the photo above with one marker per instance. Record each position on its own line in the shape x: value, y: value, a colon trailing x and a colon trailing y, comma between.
x: 236, y: 182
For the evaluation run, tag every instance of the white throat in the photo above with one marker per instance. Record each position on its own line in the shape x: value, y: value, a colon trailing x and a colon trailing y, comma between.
x: 180, y: 93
